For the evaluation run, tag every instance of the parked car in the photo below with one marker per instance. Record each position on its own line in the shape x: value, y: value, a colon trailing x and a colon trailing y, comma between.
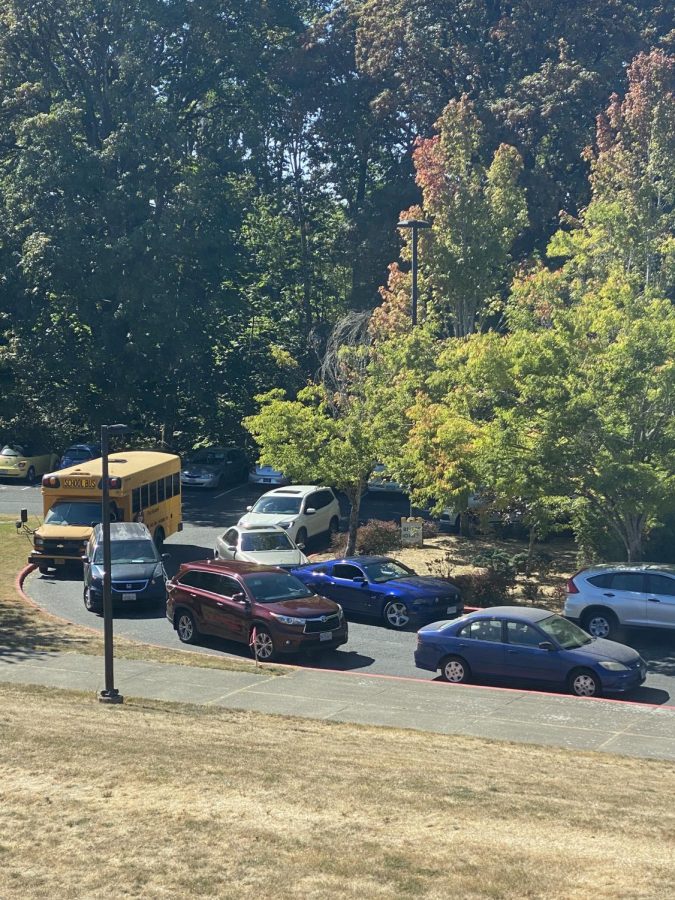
x: 380, y: 480
x: 267, y: 475
x: 20, y: 462
x: 214, y: 467
x: 604, y: 598
x: 265, y: 607
x: 266, y: 545
x: 304, y: 510
x: 79, y: 453
x: 524, y: 644
x: 136, y: 567
x: 384, y: 588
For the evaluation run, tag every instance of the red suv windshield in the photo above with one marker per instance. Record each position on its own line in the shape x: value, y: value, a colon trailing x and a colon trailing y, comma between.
x: 271, y: 587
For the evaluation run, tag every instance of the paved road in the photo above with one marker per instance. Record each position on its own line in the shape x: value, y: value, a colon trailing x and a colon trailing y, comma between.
x: 372, y: 648
x: 14, y: 497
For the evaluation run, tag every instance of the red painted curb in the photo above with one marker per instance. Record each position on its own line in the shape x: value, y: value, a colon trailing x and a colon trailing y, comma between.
x: 23, y: 574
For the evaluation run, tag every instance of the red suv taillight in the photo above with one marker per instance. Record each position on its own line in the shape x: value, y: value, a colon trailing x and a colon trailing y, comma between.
x: 571, y: 587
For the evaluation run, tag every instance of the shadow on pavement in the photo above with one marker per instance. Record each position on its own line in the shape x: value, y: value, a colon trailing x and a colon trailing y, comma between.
x: 330, y: 659
x: 648, y: 695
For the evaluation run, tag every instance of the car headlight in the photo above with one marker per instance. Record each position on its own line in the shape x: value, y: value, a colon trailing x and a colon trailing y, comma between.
x: 341, y: 612
x: 286, y: 524
x: 289, y: 620
x: 159, y: 573
x: 613, y: 666
x: 97, y: 573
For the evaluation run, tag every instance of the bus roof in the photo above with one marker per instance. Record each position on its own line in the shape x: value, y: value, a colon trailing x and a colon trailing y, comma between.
x: 121, y: 463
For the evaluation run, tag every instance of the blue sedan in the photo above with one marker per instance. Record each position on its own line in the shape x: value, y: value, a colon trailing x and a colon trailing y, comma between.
x: 522, y: 644
x: 384, y: 588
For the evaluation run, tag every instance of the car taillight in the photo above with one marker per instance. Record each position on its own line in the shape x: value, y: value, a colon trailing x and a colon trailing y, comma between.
x: 571, y: 587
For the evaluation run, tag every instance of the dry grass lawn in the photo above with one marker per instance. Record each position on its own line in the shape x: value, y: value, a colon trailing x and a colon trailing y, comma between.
x: 150, y: 800
x: 26, y: 630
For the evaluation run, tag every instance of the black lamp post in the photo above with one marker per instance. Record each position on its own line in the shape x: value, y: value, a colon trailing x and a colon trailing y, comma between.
x: 415, y: 225
x: 110, y: 694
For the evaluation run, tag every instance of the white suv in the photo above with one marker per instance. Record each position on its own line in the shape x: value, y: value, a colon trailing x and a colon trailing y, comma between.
x: 304, y: 510
x: 603, y: 598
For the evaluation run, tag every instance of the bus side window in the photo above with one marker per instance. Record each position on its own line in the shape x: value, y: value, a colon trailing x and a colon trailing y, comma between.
x: 176, y: 484
x: 145, y: 496
x: 169, y: 487
x: 136, y: 500
x: 153, y: 493
x: 161, y: 494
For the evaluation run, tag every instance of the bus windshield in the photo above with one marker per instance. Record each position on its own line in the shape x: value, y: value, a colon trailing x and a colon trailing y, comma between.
x: 69, y: 512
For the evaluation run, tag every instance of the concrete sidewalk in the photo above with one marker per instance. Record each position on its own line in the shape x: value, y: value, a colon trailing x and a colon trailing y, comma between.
x: 629, y: 729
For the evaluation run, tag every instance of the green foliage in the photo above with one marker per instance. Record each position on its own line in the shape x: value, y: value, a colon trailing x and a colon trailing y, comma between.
x: 373, y: 538
x: 477, y: 212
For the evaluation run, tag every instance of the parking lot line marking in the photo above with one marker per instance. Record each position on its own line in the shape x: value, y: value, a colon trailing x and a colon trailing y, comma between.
x: 229, y: 491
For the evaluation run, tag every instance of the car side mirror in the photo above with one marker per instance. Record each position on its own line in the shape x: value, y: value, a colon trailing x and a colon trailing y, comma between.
x: 359, y: 579
x: 310, y: 511
x: 230, y: 547
x: 242, y: 598
x: 300, y: 546
x: 546, y: 645
x: 166, y: 556
x: 249, y: 508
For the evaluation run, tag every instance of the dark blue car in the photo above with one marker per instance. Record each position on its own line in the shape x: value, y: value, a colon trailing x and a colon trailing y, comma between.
x: 79, y: 453
x: 384, y: 588
x: 522, y: 644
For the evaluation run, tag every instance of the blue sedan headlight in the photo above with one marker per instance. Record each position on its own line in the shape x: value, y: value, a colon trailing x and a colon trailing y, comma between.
x: 613, y: 666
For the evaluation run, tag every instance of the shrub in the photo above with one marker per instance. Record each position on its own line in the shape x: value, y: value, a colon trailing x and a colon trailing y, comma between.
x: 429, y: 529
x: 497, y: 561
x: 486, y: 588
x: 375, y: 537
x: 530, y: 591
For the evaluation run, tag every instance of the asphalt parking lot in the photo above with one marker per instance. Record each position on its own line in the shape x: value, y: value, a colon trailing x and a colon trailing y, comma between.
x: 372, y: 648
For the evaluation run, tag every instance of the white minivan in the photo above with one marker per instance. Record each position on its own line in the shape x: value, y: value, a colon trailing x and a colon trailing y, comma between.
x: 304, y: 510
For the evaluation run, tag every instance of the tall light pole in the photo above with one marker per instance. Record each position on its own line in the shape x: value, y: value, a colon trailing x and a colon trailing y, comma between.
x: 110, y: 694
x: 414, y: 225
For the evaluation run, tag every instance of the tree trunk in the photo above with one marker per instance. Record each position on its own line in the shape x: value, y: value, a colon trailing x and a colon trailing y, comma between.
x: 355, y: 501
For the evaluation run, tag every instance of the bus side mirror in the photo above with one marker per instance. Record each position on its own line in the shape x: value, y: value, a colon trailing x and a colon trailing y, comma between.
x: 23, y: 515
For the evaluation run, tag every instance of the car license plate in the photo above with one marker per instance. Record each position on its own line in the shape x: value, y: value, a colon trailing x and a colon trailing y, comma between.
x: 451, y: 610
x: 325, y: 635
x: 128, y: 596
x: 267, y: 480
x: 59, y: 562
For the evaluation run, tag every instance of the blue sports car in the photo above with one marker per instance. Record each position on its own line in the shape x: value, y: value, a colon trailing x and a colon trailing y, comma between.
x: 523, y: 644
x: 384, y: 588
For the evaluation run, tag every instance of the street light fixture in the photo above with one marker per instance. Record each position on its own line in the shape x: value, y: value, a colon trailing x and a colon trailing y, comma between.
x: 110, y: 694
x: 414, y: 225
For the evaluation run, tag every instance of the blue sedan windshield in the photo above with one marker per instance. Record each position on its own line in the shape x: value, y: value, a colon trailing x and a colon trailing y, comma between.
x: 566, y: 633
x: 387, y: 570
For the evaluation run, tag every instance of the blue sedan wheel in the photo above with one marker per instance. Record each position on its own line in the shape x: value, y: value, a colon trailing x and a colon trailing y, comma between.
x: 455, y: 670
x: 583, y: 683
x: 396, y: 614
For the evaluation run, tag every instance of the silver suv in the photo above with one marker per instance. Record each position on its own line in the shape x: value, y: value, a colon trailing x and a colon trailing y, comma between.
x: 603, y: 598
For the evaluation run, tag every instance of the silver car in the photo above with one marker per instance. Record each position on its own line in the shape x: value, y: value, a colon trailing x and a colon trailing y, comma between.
x: 214, y: 467
x: 266, y: 545
x: 603, y: 598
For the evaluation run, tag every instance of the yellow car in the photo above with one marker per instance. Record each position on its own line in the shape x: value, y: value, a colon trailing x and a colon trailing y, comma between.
x: 17, y: 462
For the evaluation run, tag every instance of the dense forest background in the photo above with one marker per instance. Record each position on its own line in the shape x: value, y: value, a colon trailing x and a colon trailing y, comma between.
x: 193, y: 193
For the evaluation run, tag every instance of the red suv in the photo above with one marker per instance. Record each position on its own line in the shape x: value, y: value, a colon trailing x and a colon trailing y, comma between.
x: 265, y: 607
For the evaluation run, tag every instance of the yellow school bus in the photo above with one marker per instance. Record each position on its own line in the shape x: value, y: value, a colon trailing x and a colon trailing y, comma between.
x: 144, y: 486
